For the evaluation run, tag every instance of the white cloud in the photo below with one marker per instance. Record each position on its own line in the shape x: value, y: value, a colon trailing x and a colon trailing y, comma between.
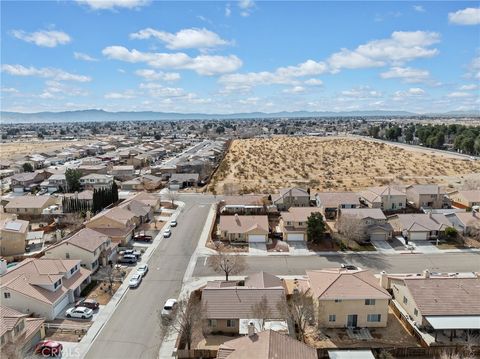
x: 411, y: 92
x: 44, y: 38
x: 152, y: 75
x: 407, y: 74
x: 228, y: 10
x: 468, y: 87
x: 204, y: 64
x: 46, y: 72
x: 313, y: 82
x: 362, y: 92
x: 129, y: 94
x: 246, y: 7
x: 9, y: 90
x: 294, y: 90
x: 459, y: 94
x: 183, y: 39
x: 418, y: 8
x: 474, y: 69
x: 112, y: 4
x: 83, y: 57
x: 402, y: 46
x: 468, y: 16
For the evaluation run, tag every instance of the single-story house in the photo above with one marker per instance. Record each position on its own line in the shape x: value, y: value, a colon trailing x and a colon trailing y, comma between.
x: 235, y: 228
x: 21, y: 182
x: 419, y: 226
x: 116, y: 223
x: 29, y: 205
x: 465, y: 222
x: 182, y: 180
x: 123, y: 173
x: 370, y: 223
x: 244, y: 204
x: 465, y: 199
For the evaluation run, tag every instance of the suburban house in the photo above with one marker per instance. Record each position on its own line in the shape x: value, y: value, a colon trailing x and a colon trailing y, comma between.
x: 465, y: 199
x: 146, y: 198
x: 18, y: 332
x: 96, y: 181
x: 56, y: 182
x: 89, y: 169
x: 13, y: 235
x: 419, y: 226
x: 43, y: 287
x: 123, y: 173
x: 293, y: 223
x: 251, y: 229
x: 369, y: 223
x: 348, y: 298
x: 83, y: 196
x: 331, y: 202
x: 25, y: 181
x: 229, y: 307
x: 93, y: 248
x: 465, y: 222
x: 446, y: 306
x: 244, y: 204
x: 142, y: 211
x: 290, y: 197
x: 386, y: 198
x: 425, y: 196
x: 29, y: 205
x: 134, y: 184
x: 267, y: 344
x: 182, y: 180
x: 116, y: 223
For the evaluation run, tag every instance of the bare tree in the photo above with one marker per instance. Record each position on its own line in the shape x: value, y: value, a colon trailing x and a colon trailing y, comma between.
x: 261, y: 310
x: 227, y: 263
x: 187, y: 317
x: 300, y: 309
x: 172, y: 196
x: 352, y: 228
x: 112, y: 273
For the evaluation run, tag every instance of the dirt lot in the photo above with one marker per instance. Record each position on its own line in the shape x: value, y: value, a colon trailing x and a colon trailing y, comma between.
x: 335, y: 164
x: 18, y: 149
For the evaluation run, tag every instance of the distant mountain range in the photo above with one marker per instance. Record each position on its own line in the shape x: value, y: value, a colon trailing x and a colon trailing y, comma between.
x: 101, y: 115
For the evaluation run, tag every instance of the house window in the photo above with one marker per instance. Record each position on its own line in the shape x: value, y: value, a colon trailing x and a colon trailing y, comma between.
x: 405, y: 300
x: 57, y: 283
x: 338, y: 300
x: 19, y: 327
x: 6, y: 295
x: 415, y: 312
x: 72, y: 270
x: 230, y: 323
x: 2, y: 340
x: 332, y: 318
x: 212, y: 323
x: 400, y: 204
x: 369, y: 301
x: 67, y: 255
x: 374, y: 317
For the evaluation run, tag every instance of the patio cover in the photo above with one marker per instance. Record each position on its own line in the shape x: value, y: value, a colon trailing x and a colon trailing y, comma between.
x: 350, y: 354
x: 454, y: 321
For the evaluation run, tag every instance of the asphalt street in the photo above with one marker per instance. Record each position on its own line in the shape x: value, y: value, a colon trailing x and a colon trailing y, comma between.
x: 133, y: 329
x: 397, y: 263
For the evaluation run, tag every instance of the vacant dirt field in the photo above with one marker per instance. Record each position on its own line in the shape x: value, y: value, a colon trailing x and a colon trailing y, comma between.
x: 17, y: 149
x: 333, y: 164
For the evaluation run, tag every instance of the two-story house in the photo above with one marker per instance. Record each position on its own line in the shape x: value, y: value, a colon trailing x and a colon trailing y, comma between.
x: 25, y: 181
x: 116, y: 223
x: 96, y: 181
x: 331, y: 202
x: 290, y: 197
x: 293, y: 223
x: 425, y: 196
x: 13, y: 235
x: 92, y: 248
x: 123, y: 173
x: 43, y: 287
x: 386, y: 198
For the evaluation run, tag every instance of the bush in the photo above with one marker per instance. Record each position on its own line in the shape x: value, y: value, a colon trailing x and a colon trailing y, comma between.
x: 88, y: 288
x: 451, y: 232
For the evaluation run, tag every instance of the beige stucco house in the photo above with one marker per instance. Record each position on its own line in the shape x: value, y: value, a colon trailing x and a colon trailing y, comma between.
x: 29, y: 205
x: 116, y: 223
x: 386, y: 198
x: 425, y: 196
x: 290, y: 197
x: 13, y: 235
x: 293, y: 223
x: 251, y: 229
x: 465, y: 199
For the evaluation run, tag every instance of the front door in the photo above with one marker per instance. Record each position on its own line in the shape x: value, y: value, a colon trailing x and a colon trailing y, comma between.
x: 352, y: 321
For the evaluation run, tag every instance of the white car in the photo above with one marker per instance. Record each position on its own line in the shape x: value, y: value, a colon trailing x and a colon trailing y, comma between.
x: 134, y: 282
x: 167, y: 233
x: 168, y: 307
x: 79, y: 312
x: 173, y: 223
x: 142, y: 270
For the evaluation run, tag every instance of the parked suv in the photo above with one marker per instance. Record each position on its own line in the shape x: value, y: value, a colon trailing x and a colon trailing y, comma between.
x: 88, y: 303
x: 128, y: 259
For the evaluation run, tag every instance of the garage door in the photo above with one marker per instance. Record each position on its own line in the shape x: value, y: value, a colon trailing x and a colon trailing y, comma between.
x: 418, y: 236
x: 295, y: 237
x: 378, y: 236
x: 60, y: 306
x: 256, y: 238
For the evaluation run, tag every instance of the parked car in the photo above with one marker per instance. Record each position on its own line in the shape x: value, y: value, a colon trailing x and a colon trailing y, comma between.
x: 167, y: 233
x: 168, y: 307
x: 131, y: 252
x: 142, y: 238
x: 134, y: 282
x: 88, y: 303
x: 173, y: 223
x: 48, y: 348
x: 349, y: 266
x: 127, y: 259
x: 142, y: 270
x: 79, y: 312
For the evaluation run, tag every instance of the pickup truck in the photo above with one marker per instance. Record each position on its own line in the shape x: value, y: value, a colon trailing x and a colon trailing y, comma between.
x: 142, y: 238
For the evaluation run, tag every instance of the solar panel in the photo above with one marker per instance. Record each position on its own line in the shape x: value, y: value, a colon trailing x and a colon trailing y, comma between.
x: 13, y: 226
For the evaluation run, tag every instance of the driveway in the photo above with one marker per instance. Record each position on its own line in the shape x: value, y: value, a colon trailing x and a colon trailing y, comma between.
x: 259, y: 249
x: 425, y: 247
x: 298, y: 248
x: 383, y: 246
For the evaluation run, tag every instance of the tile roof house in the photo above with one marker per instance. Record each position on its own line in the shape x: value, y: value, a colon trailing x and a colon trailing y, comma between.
x: 263, y: 280
x: 147, y: 198
x: 18, y: 332
x: 425, y: 196
x: 419, y: 226
x: 143, y: 211
x: 116, y: 223
x: 348, y: 298
x: 441, y: 303
x: 91, y: 247
x: 24, y: 181
x: 465, y: 222
x: 182, y: 180
x: 43, y: 287
x: 386, y: 198
x: 331, y: 202
x: 372, y: 223
x: 96, y: 181
x: 465, y: 199
x: 13, y: 235
x: 237, y: 228
x: 293, y: 223
x: 244, y: 204
x: 266, y: 345
x: 290, y: 197
x: 29, y: 205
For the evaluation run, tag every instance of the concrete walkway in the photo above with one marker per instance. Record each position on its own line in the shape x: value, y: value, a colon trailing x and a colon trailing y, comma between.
x: 382, y: 246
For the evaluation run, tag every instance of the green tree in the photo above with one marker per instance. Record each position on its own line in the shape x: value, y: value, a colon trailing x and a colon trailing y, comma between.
x: 220, y: 129
x: 73, y: 179
x: 315, y: 227
x: 27, y: 167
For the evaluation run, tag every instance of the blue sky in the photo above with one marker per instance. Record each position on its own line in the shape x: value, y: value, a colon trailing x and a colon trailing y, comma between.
x: 242, y: 56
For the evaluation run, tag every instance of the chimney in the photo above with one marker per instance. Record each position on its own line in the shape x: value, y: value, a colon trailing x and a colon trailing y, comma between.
x: 251, y: 329
x: 237, y: 218
x: 3, y: 266
x: 14, y: 217
x: 430, y: 214
x: 426, y: 273
x: 384, y: 279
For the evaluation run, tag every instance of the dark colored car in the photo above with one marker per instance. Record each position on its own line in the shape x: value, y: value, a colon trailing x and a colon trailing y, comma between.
x: 88, y: 303
x: 49, y: 348
x: 142, y: 238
